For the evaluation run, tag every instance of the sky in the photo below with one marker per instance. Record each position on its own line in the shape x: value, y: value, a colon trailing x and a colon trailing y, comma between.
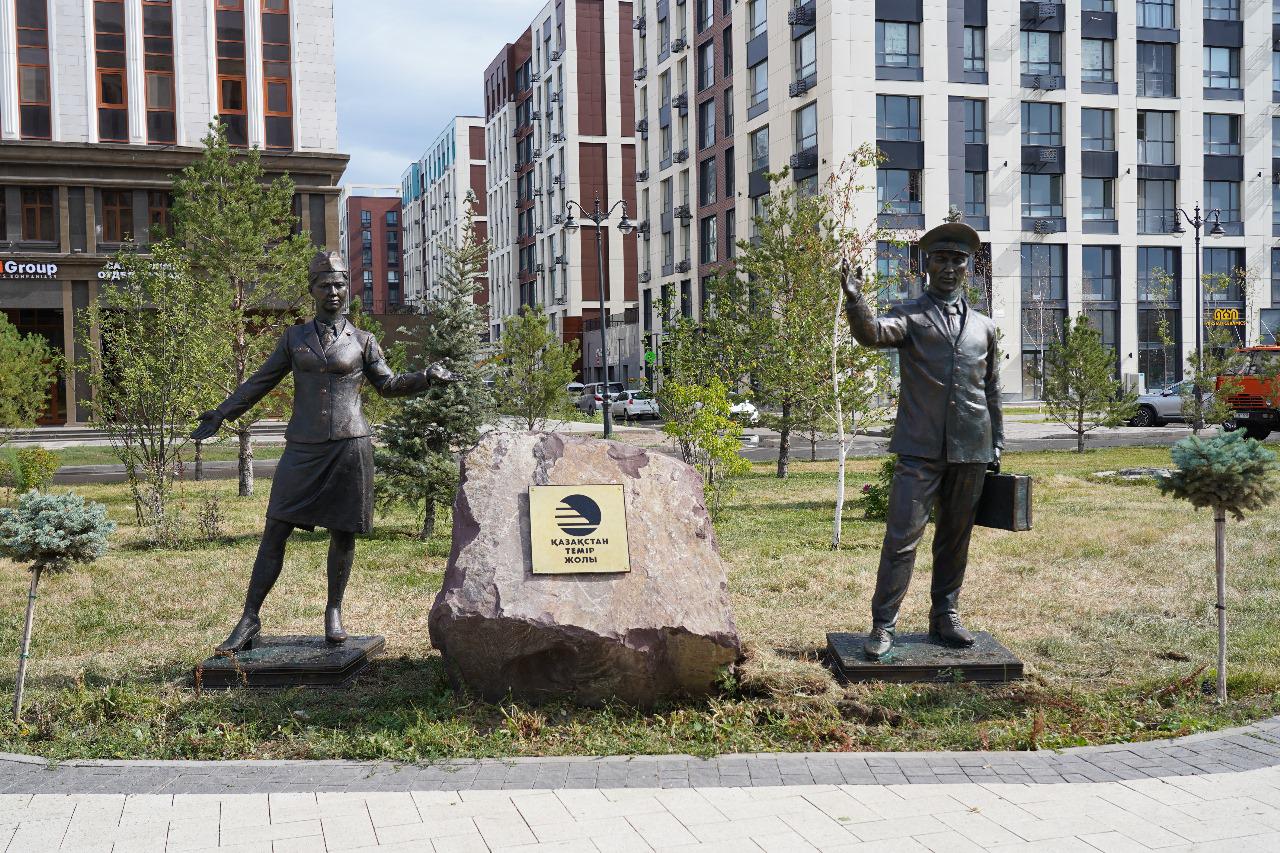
x: 406, y: 67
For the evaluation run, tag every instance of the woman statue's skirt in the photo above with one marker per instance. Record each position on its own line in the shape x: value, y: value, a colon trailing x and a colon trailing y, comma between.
x: 327, y: 485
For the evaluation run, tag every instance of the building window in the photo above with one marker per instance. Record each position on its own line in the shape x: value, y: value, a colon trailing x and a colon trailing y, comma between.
x: 1099, y: 199
x: 1042, y: 53
x: 898, y: 272
x: 707, y: 182
x: 1222, y: 134
x: 1041, y: 123
x: 1098, y: 6
x: 1041, y: 196
x: 1268, y: 326
x: 1157, y: 14
x: 1275, y: 137
x: 760, y: 149
x: 759, y: 74
x: 159, y: 206
x: 730, y: 177
x: 1100, y: 272
x: 1159, y: 268
x: 1224, y: 275
x: 34, y: 105
x: 1157, y: 70
x: 1097, y: 130
x: 1157, y: 138
x: 232, y: 103
x: 1221, y: 67
x: 366, y: 219
x: 897, y: 44
x: 393, y: 220
x: 366, y: 257
x: 276, y: 74
x: 707, y: 250
x: 1275, y: 206
x: 975, y: 48
x: 807, y: 127
x: 706, y: 123
x: 898, y: 118
x: 1222, y: 10
x: 1157, y: 203
x: 1224, y: 196
x: 157, y: 28
x: 726, y: 53
x: 112, y: 88
x: 1275, y: 71
x: 898, y: 191
x: 757, y: 18
x: 728, y: 112
x: 975, y: 122
x: 38, y: 224
x: 1044, y: 270
x: 366, y: 238
x: 706, y: 13
x: 1158, y: 360
x: 730, y: 235
x: 1097, y: 61
x: 975, y: 194
x: 805, y: 50
x: 706, y: 65
x: 1275, y: 277
x: 117, y: 216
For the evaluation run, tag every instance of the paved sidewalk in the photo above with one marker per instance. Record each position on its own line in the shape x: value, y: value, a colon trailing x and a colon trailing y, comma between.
x: 1237, y: 812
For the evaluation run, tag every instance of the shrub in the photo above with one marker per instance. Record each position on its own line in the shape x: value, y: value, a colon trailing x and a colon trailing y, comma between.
x: 35, y: 468
x: 874, y: 499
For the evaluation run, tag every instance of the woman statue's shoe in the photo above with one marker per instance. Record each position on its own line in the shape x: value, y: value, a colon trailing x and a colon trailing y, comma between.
x: 333, y: 631
x: 242, y: 636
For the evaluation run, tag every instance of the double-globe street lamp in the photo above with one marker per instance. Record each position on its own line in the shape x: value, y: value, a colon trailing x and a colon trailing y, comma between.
x: 625, y: 227
x: 1198, y: 222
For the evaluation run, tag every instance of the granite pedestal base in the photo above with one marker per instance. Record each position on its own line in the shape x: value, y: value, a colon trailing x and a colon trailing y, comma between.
x: 915, y: 658
x: 290, y: 662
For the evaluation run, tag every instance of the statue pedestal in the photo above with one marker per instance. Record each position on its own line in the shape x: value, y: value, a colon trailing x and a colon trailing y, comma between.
x: 915, y: 658
x: 290, y: 662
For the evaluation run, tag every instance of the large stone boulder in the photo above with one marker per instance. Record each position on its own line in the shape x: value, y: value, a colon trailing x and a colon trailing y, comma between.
x: 663, y: 629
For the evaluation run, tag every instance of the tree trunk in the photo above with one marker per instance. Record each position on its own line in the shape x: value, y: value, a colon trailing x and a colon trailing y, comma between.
x: 428, y: 521
x: 813, y: 446
x: 199, y: 461
x: 784, y: 441
x: 26, y: 644
x: 246, y: 462
x: 1220, y: 560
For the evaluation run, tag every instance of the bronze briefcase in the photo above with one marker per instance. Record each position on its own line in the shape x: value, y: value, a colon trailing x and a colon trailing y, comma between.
x: 1005, y: 502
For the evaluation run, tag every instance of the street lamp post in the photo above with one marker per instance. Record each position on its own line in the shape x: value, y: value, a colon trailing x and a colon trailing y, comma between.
x: 1197, y: 222
x: 625, y: 227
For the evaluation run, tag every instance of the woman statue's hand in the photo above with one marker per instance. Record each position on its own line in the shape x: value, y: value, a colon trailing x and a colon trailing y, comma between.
x: 210, y: 423
x: 440, y: 373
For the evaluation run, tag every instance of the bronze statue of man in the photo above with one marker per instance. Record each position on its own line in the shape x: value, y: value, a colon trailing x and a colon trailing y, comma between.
x: 325, y: 477
x: 949, y: 430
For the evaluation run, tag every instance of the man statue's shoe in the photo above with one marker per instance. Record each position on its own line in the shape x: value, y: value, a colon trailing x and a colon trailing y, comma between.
x: 242, y: 636
x: 878, y: 643
x: 333, y: 631
x: 946, y: 629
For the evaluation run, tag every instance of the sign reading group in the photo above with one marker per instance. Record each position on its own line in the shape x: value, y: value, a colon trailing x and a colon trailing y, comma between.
x: 578, y: 529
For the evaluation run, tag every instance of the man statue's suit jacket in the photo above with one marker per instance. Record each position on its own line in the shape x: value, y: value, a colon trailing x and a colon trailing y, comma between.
x: 326, y: 383
x: 949, y: 397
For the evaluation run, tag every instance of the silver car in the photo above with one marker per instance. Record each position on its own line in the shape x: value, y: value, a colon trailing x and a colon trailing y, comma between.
x: 1163, y: 405
x: 633, y: 405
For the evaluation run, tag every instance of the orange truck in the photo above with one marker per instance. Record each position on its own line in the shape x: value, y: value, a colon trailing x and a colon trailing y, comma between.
x: 1255, y: 404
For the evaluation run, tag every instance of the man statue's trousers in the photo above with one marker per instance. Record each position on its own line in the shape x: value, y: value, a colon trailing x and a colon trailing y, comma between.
x: 919, y: 484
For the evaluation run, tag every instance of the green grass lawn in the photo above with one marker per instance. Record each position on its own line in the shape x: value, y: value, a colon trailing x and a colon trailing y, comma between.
x: 1109, y: 601
x: 103, y: 454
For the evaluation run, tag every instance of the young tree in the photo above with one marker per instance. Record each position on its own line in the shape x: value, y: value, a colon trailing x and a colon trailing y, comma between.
x: 1080, y: 388
x: 238, y: 235
x: 28, y: 366
x: 534, y: 367
x: 417, y: 460
x: 151, y: 380
x: 708, y: 438
x: 791, y: 272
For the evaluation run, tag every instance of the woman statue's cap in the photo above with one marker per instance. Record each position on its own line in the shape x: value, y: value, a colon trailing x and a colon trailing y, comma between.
x: 324, y: 262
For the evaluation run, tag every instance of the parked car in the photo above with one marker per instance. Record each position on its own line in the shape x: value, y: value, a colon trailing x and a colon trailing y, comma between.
x: 746, y: 412
x: 633, y: 405
x: 1163, y: 405
x: 592, y: 398
x: 574, y: 390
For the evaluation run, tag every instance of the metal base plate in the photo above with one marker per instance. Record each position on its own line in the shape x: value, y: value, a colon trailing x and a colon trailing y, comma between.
x: 915, y: 658
x: 290, y: 662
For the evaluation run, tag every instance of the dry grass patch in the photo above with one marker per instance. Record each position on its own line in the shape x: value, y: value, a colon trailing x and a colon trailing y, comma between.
x: 1108, y: 600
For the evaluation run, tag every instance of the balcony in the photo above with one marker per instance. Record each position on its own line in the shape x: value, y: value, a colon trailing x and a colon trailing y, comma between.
x: 554, y: 97
x: 558, y: 180
x: 681, y: 156
x: 641, y: 73
x: 642, y: 126
x: 684, y: 266
x: 638, y: 23
x: 558, y: 219
x: 803, y: 16
x: 679, y: 45
x: 643, y: 228
x: 554, y: 55
x: 535, y: 116
x: 805, y: 160
x: 642, y: 176
x: 800, y: 88
x: 537, y: 152
x: 561, y: 261
x: 680, y: 102
x: 682, y: 212
x: 646, y: 277
x: 534, y: 77
x: 557, y: 138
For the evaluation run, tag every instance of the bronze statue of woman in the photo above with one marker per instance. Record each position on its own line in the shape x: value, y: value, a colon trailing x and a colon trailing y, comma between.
x: 325, y: 477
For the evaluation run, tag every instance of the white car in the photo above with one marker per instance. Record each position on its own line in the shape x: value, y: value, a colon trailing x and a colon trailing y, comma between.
x: 745, y: 412
x: 633, y: 405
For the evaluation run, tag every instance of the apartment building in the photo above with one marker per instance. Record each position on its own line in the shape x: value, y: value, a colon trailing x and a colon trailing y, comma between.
x: 437, y: 192
x: 559, y: 128
x: 102, y: 101
x: 1069, y: 135
x: 369, y: 234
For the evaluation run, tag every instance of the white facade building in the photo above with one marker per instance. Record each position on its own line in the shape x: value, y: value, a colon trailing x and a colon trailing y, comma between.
x: 1068, y: 136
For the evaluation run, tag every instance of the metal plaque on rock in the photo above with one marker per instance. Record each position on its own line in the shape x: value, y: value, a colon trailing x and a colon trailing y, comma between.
x: 575, y: 529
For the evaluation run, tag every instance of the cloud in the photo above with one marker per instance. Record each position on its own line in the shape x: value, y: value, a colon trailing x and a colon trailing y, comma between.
x: 406, y: 67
